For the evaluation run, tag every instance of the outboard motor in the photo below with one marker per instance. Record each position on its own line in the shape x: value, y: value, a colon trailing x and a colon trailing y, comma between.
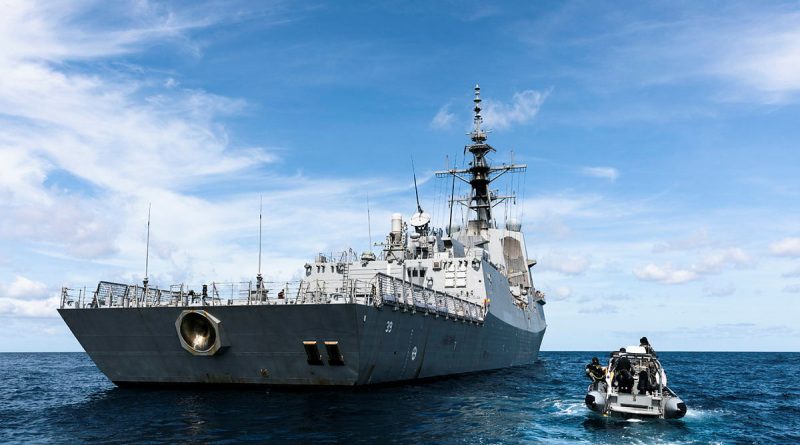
x: 674, y: 408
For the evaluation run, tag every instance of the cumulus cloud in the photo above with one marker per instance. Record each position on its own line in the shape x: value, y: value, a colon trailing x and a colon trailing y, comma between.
x: 522, y: 109
x: 565, y: 263
x: 789, y: 247
x: 665, y: 274
x: 30, y: 308
x: 444, y: 118
x: 609, y: 173
x: 24, y: 288
x: 712, y: 262
x: 716, y: 261
x: 24, y: 297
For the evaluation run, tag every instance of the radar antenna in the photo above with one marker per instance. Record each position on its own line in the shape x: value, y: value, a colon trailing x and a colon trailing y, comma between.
x: 480, y: 174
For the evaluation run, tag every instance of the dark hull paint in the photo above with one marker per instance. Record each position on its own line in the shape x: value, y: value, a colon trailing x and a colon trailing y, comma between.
x: 264, y: 345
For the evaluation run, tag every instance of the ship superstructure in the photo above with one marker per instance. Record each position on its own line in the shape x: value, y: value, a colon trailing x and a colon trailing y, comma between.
x: 434, y: 302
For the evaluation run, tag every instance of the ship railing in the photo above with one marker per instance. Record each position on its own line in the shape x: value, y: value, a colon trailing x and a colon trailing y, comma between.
x: 412, y: 297
x: 117, y: 295
x: 378, y: 291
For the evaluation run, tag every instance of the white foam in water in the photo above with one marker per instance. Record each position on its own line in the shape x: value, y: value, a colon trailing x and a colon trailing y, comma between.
x: 697, y: 414
x: 568, y: 409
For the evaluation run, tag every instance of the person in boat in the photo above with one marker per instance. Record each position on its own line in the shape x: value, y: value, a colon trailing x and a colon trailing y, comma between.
x: 594, y: 371
x: 623, y: 375
x: 646, y: 345
x: 645, y: 384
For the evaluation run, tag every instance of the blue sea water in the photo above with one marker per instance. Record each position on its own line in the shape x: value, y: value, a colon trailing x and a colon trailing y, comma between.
x: 732, y: 398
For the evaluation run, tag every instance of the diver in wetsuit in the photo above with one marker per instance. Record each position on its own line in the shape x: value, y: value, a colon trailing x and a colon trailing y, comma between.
x: 623, y: 374
x: 645, y: 385
x: 594, y: 371
x: 646, y: 345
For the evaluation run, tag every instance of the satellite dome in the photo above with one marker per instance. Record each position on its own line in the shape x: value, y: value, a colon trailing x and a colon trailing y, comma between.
x: 513, y: 225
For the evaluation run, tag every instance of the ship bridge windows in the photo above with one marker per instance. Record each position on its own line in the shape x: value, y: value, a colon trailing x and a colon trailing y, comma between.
x: 417, y: 272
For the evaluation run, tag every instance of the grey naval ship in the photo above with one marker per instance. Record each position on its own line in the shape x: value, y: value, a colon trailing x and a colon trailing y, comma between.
x: 433, y: 303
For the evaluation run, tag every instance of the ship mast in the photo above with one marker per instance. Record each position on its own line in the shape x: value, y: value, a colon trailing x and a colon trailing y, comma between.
x: 479, y: 175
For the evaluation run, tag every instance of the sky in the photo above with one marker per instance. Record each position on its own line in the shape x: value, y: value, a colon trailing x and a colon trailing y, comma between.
x: 662, y: 195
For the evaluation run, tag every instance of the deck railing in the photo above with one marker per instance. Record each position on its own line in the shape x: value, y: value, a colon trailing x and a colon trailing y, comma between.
x: 381, y: 290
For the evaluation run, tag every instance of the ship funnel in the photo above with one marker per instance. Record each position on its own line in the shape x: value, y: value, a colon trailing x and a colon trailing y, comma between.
x: 199, y: 332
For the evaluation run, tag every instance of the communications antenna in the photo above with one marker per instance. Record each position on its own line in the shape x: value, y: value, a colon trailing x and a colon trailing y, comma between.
x: 259, y: 278
x: 147, y: 251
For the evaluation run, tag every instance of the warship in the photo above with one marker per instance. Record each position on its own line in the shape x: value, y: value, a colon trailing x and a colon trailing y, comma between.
x: 435, y: 302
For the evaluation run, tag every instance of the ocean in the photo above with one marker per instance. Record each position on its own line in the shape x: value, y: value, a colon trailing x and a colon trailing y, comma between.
x: 732, y: 398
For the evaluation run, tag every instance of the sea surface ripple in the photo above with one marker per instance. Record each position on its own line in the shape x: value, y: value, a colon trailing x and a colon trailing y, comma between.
x: 732, y: 398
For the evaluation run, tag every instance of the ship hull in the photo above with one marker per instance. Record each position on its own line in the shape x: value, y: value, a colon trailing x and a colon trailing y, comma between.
x: 264, y: 345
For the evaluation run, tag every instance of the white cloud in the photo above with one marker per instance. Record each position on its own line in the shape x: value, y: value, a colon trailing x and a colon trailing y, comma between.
x: 30, y: 308
x: 789, y: 247
x: 562, y: 292
x: 24, y: 288
x: 765, y: 55
x: 609, y: 173
x: 665, y: 274
x: 712, y: 263
x: 569, y: 264
x: 523, y: 108
x: 444, y: 118
x: 716, y: 261
x: 128, y: 140
x: 24, y: 297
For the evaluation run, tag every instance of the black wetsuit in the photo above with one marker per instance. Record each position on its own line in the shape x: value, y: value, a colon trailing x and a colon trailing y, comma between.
x: 623, y: 375
x: 595, y: 372
x: 644, y: 382
x: 623, y: 363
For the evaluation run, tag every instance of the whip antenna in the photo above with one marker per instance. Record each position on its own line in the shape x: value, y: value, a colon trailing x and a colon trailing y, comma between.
x: 147, y: 249
x: 369, y: 224
x: 260, y: 212
x: 416, y: 191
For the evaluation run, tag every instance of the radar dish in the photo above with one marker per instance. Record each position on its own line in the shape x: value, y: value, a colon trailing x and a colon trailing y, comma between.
x: 420, y: 219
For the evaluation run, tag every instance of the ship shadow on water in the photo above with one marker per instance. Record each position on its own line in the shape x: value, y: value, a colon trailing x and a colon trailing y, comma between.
x: 437, y: 410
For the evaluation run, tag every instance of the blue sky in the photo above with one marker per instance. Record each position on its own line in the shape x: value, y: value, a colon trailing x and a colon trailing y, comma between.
x: 661, y: 197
